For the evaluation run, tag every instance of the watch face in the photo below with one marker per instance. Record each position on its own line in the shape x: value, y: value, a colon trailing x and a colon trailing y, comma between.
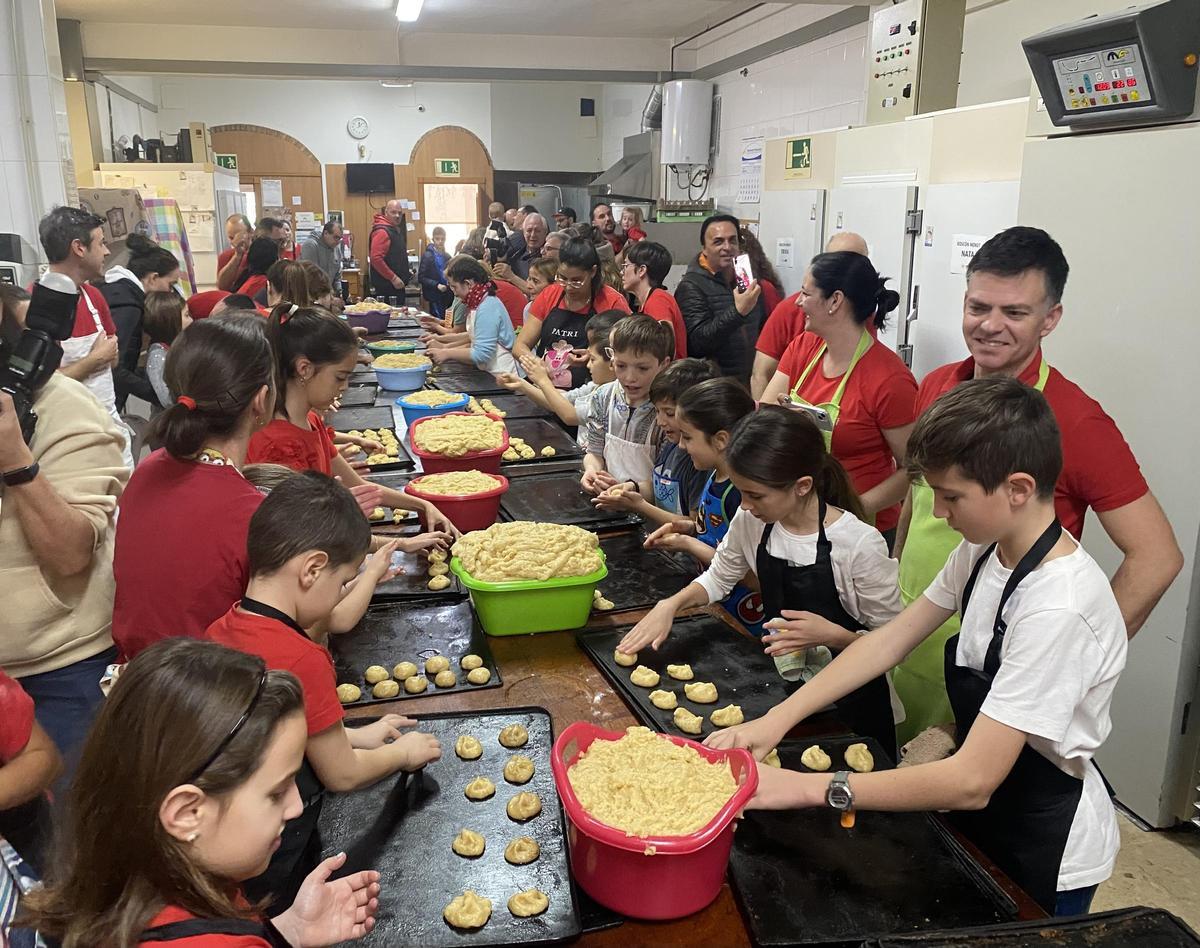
x: 839, y: 796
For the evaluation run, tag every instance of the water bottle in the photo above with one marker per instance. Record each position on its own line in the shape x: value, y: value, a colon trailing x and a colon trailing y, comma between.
x: 790, y: 666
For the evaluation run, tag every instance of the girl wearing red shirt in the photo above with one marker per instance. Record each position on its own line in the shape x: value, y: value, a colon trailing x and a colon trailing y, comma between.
x: 865, y: 389
x: 165, y: 831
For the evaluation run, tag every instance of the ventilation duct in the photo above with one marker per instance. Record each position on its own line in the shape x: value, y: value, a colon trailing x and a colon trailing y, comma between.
x: 70, y: 44
x: 652, y: 111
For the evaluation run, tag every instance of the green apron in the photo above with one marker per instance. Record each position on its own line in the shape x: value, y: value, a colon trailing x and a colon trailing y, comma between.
x: 920, y: 679
x: 832, y: 408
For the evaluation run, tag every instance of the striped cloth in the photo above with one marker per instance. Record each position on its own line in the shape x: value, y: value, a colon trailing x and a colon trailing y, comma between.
x: 16, y: 879
x: 166, y: 225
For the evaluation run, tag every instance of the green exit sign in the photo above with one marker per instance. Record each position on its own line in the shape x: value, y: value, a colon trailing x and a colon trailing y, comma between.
x: 448, y: 167
x: 228, y: 162
x: 799, y: 158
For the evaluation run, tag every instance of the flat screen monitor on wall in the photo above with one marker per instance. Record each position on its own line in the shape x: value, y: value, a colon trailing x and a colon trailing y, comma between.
x: 371, y: 179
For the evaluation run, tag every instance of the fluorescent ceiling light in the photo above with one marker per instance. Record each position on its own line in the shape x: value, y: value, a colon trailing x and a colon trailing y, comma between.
x: 407, y: 11
x: 396, y: 83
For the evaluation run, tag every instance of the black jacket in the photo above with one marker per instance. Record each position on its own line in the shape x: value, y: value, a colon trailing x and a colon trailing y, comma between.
x: 430, y: 275
x: 715, y: 329
x: 126, y: 302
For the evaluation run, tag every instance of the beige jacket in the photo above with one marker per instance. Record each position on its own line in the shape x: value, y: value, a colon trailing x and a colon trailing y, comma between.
x: 49, y: 622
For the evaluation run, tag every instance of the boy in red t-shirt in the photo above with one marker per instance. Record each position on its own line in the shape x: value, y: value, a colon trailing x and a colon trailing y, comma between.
x: 306, y: 543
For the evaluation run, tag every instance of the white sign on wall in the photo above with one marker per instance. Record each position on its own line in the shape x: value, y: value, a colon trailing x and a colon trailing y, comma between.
x: 783, y: 251
x: 962, y: 249
x: 272, y: 192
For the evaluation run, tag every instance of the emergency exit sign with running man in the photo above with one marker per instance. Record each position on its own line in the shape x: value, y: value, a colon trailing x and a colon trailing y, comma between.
x: 448, y: 167
x: 798, y: 153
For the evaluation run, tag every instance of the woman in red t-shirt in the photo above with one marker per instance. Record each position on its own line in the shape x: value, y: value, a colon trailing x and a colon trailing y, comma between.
x: 262, y: 253
x: 194, y: 804
x: 861, y: 385
x: 645, y: 267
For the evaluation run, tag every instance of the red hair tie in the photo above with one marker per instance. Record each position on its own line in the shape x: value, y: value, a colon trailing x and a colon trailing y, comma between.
x: 187, y: 402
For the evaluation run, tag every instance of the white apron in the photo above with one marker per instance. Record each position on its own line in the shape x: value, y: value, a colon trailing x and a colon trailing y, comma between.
x: 98, y: 383
x: 502, y: 359
x: 623, y: 459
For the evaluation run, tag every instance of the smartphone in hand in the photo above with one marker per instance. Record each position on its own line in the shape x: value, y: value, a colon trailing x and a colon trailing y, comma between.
x: 742, y: 273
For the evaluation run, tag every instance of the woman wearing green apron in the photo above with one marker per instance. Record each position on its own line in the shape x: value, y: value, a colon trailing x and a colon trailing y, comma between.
x: 861, y: 393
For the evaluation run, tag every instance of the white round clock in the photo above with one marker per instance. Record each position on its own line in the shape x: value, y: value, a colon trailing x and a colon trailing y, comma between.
x: 358, y: 127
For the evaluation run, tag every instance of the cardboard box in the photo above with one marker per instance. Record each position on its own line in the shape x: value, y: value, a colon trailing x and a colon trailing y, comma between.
x: 122, y: 211
x: 201, y: 138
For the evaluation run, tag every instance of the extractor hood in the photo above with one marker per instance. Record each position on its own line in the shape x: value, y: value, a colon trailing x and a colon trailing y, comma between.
x: 637, y: 175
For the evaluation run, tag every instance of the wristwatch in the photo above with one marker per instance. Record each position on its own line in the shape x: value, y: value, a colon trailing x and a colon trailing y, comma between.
x: 839, y: 795
x: 22, y: 475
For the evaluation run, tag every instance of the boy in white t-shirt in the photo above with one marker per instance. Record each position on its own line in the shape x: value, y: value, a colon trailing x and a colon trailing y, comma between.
x: 1030, y: 676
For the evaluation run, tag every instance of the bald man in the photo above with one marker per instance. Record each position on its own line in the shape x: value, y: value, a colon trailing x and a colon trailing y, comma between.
x: 787, y: 320
x: 390, y: 271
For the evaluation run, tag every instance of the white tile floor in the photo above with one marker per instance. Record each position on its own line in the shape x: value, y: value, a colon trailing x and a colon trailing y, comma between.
x: 1160, y: 869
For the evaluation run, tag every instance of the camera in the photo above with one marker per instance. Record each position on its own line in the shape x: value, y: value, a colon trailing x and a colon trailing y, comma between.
x: 29, y: 363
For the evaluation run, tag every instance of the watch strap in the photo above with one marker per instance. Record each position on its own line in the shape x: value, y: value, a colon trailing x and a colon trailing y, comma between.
x: 22, y: 475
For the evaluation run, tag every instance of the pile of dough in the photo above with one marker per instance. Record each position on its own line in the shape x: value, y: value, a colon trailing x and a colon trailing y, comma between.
x: 404, y: 670
x: 518, y: 769
x: 702, y: 692
x: 469, y: 662
x: 416, y: 684
x: 452, y: 435
x: 510, y: 454
x: 369, y: 305
x: 687, y: 722
x: 431, y: 398
x: 375, y: 673
x: 386, y: 689
x: 527, y: 903
x: 522, y: 851
x: 727, y: 716
x: 644, y: 677
x: 479, y: 676
x: 515, y: 735
x: 599, y: 602
x: 859, y: 758
x: 437, y: 556
x: 524, y: 451
x: 625, y: 660
x: 439, y: 569
x: 647, y: 785
x: 548, y: 452
x: 680, y: 672
x: 445, y: 679
x: 815, y: 759
x: 456, y: 483
x: 524, y: 806
x: 489, y: 406
x: 468, y: 910
x: 468, y: 747
x: 438, y: 583
x: 665, y: 700
x: 348, y: 694
x: 772, y: 759
x: 480, y: 789
x: 378, y: 513
x: 522, y: 550
x: 469, y: 843
x: 401, y: 360
x: 437, y: 663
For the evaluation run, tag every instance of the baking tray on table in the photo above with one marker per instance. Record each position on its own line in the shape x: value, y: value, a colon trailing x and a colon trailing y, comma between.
x: 420, y: 874
x: 558, y: 498
x: 467, y: 380
x: 639, y: 578
x: 539, y: 433
x: 396, y: 632
x: 356, y: 419
x: 1143, y: 927
x: 801, y: 879
x: 363, y: 376
x: 717, y: 652
x: 361, y: 396
x: 413, y: 583
x: 518, y: 406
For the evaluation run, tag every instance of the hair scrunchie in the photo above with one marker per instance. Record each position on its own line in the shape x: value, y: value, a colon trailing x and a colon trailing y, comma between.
x: 187, y: 402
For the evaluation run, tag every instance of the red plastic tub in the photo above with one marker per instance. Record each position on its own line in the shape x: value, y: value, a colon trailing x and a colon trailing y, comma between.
x: 466, y: 511
x: 656, y: 877
x: 486, y: 461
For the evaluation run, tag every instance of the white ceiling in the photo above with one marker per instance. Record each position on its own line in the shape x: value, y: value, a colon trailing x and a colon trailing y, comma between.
x: 533, y: 18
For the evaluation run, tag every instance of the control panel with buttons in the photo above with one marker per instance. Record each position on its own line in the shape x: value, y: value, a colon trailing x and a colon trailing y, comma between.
x: 901, y: 46
x: 1112, y: 78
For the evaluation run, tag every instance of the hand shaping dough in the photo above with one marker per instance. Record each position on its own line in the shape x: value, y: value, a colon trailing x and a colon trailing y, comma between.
x: 348, y: 694
x: 644, y: 677
x: 468, y: 747
x: 531, y: 901
x: 514, y: 735
x: 386, y: 689
x: 404, y: 671
x: 772, y: 759
x: 468, y: 843
x: 524, y: 806
x: 687, y: 722
x: 438, y: 569
x: 727, y: 716
x: 480, y: 789
x: 518, y: 769
x: 437, y: 556
x: 702, y: 692
x: 626, y: 661
x: 376, y: 674
x: 438, y: 663
x: 680, y: 672
x: 815, y: 759
x: 416, y: 684
x: 468, y: 911
x: 445, y: 679
x: 479, y: 676
x: 664, y: 699
x: 858, y: 758
x: 470, y: 662
x: 522, y: 851
x: 439, y: 583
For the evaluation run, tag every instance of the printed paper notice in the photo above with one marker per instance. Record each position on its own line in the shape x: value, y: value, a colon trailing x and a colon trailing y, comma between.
x: 783, y: 251
x: 962, y: 249
x: 272, y: 192
x: 750, y: 181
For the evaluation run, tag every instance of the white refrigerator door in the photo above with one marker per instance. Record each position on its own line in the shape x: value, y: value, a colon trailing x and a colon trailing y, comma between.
x: 798, y: 219
x: 1128, y: 338
x: 950, y: 211
x: 877, y: 211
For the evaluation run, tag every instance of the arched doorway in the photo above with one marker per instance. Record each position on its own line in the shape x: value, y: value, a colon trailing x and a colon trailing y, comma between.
x: 265, y: 154
x: 457, y: 203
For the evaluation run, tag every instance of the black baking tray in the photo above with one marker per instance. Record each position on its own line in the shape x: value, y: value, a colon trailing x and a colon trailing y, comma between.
x: 396, y: 632
x: 362, y: 396
x: 1122, y: 928
x: 802, y: 879
x: 548, y: 466
x: 356, y: 419
x: 420, y: 874
x: 466, y: 379
x: 518, y: 406
x: 363, y: 377
x: 539, y: 433
x: 413, y: 583
x: 638, y: 577
x: 558, y: 498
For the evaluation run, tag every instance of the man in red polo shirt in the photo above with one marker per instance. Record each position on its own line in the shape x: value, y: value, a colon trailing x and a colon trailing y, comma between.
x: 232, y: 269
x: 786, y: 321
x: 1014, y: 292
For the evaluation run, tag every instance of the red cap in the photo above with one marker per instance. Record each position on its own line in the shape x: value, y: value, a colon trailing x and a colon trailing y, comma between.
x: 201, y: 305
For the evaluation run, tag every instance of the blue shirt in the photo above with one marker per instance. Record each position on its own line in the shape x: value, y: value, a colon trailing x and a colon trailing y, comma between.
x: 492, y: 329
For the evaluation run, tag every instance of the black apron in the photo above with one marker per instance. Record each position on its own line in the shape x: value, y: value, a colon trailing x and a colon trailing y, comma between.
x: 299, y: 849
x: 195, y: 927
x: 867, y: 710
x: 570, y: 327
x: 1024, y: 827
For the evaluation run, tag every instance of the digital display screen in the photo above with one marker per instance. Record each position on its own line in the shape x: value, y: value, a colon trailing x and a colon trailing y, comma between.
x: 1111, y: 78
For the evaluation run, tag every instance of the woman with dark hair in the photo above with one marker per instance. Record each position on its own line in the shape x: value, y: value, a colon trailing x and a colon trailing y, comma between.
x: 489, y: 336
x: 556, y: 329
x: 863, y: 395
x: 262, y: 253
x: 432, y: 274
x: 286, y: 282
x: 761, y: 270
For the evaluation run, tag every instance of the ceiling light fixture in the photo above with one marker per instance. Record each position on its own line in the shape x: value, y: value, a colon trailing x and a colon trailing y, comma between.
x: 396, y: 83
x: 407, y: 11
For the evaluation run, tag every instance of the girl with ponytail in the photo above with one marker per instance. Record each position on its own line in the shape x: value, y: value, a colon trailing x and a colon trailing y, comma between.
x: 825, y: 576
x: 865, y: 394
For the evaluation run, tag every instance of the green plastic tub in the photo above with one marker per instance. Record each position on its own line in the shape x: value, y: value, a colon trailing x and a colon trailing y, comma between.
x: 526, y: 607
